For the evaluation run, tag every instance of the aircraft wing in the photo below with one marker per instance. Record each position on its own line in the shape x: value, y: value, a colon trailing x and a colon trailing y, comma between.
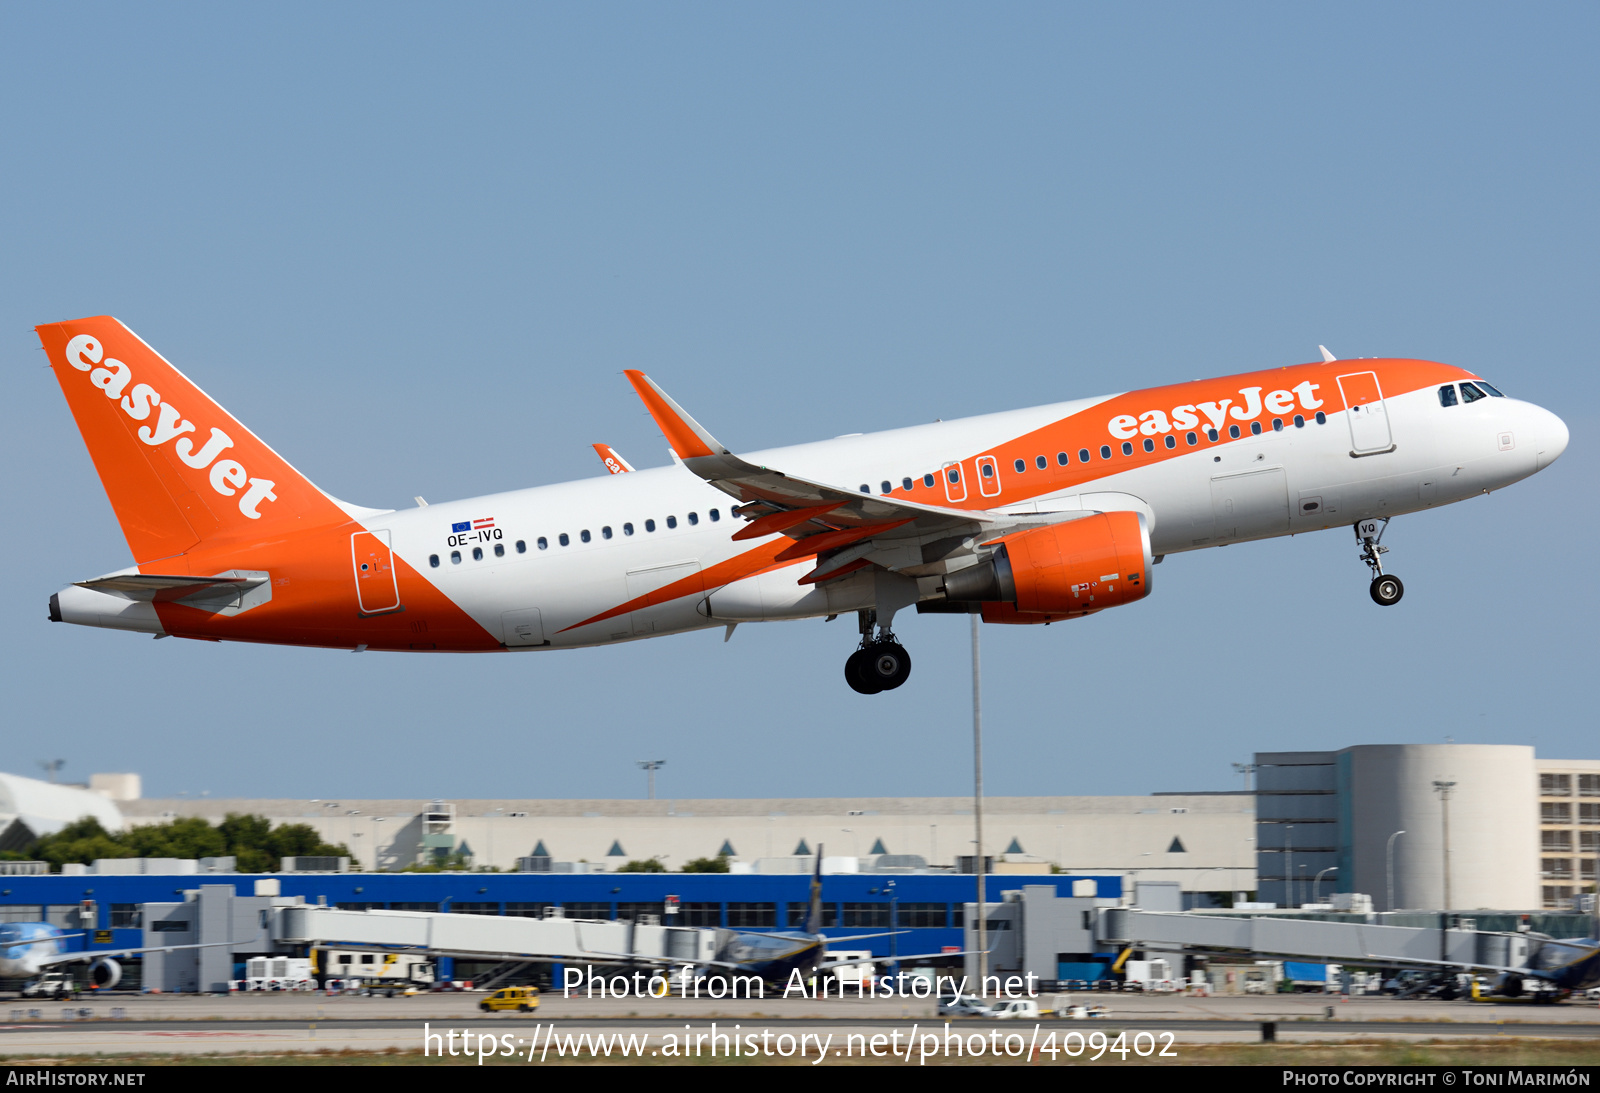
x: 96, y: 954
x: 851, y: 528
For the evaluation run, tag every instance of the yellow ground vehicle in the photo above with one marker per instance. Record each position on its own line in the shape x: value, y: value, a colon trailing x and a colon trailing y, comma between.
x: 521, y: 999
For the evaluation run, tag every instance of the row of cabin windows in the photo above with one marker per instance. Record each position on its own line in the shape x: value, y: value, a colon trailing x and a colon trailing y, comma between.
x: 566, y: 540
x: 1470, y: 392
x: 953, y: 473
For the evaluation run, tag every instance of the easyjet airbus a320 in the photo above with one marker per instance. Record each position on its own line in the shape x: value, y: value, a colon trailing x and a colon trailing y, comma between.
x: 1029, y: 516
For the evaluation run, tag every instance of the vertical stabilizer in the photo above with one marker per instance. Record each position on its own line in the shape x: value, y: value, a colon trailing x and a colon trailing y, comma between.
x: 178, y: 468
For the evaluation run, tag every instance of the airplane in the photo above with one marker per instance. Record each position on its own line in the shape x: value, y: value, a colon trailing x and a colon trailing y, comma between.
x: 781, y: 956
x: 1021, y: 517
x: 29, y: 948
x: 611, y: 459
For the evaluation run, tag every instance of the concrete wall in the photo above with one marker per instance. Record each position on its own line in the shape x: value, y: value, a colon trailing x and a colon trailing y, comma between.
x: 1126, y: 835
x: 1493, y: 816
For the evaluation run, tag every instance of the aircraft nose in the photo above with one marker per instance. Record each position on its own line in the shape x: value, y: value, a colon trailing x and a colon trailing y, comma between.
x: 1552, y: 437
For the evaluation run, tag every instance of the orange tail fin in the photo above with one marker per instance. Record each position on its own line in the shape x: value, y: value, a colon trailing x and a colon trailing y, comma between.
x: 177, y: 467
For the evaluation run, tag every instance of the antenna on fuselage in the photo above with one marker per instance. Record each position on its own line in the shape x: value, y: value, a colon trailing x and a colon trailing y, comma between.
x: 1327, y: 358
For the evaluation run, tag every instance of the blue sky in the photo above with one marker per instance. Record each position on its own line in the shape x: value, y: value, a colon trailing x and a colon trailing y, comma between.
x: 413, y: 247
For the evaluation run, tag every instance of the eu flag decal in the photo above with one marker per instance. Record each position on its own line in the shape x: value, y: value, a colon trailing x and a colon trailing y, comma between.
x: 465, y: 525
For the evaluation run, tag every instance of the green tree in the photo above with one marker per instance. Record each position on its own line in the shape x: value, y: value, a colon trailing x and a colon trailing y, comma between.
x: 648, y: 865
x: 252, y: 840
x: 718, y: 864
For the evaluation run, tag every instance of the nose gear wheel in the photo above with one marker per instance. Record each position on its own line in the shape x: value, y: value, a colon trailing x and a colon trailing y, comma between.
x: 1385, y: 589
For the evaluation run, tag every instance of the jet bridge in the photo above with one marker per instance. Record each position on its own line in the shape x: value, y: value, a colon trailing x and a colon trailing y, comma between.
x: 1332, y: 942
x: 492, y: 937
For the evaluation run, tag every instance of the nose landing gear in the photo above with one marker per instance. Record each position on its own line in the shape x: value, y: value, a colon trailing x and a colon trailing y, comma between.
x: 881, y: 663
x: 1385, y: 589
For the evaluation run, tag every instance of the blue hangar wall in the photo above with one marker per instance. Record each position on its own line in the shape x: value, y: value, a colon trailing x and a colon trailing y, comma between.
x: 929, y: 906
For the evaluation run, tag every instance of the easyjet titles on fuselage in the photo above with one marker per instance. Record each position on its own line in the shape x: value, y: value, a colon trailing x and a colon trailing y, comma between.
x: 1187, y: 416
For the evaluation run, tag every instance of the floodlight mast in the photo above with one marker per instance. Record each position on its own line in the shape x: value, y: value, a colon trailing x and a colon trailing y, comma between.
x: 651, y: 765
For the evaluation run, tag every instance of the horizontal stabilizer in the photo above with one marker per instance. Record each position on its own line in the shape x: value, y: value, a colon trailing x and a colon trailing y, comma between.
x: 162, y: 588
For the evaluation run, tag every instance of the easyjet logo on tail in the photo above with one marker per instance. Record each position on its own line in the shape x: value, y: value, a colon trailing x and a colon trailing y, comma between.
x: 1187, y: 416
x: 139, y: 401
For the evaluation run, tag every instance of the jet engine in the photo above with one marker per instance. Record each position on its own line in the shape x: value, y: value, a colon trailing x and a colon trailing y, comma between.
x: 1059, y: 572
x: 105, y: 973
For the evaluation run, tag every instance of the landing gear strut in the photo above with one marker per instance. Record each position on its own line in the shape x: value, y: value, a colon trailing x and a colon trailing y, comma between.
x: 881, y: 663
x: 1386, y: 589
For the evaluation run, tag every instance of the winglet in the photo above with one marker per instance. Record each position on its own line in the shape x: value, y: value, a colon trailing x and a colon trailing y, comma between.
x: 686, y: 435
x: 1327, y: 358
x: 614, y: 462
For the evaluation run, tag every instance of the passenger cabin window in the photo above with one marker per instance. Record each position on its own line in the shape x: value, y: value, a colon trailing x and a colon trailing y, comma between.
x: 605, y: 532
x: 906, y: 484
x: 927, y: 480
x: 1255, y: 428
x: 1471, y: 392
x: 1127, y: 447
x: 627, y: 529
x: 715, y: 515
x: 455, y: 557
x: 1020, y: 465
x: 649, y: 525
x: 885, y: 486
x: 1149, y: 444
x: 499, y: 550
x: 694, y: 518
x: 1233, y: 431
x: 544, y: 544
x: 1172, y: 441
x: 1322, y: 418
x: 988, y: 470
x: 1447, y: 395
x: 672, y: 521
x: 433, y: 560
x: 522, y: 546
x: 477, y: 554
x: 1062, y: 459
x: 1105, y: 451
x: 1190, y: 439
x: 1041, y: 462
x: 562, y: 539
x: 1299, y: 421
x: 584, y: 535
x: 955, y: 475
x: 1083, y: 455
x: 1211, y: 435
x: 865, y: 488
x: 1277, y: 424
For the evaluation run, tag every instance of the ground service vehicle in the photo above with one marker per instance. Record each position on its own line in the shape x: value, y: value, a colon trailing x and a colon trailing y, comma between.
x: 521, y: 999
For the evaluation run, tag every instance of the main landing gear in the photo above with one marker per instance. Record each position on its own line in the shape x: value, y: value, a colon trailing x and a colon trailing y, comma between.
x: 1386, y: 589
x: 881, y: 663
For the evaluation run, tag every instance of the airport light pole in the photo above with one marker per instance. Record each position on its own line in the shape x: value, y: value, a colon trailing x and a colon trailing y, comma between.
x: 1288, y: 862
x: 1325, y: 872
x: 1443, y: 789
x: 651, y: 765
x: 1246, y: 769
x: 977, y: 804
x: 1388, y: 854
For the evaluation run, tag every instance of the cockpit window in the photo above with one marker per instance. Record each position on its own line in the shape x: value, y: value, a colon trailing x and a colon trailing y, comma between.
x: 1489, y: 389
x: 1471, y: 392
x: 1447, y: 395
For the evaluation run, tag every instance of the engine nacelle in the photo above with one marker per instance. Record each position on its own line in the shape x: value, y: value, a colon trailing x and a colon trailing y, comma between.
x: 1060, y: 572
x: 105, y: 973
